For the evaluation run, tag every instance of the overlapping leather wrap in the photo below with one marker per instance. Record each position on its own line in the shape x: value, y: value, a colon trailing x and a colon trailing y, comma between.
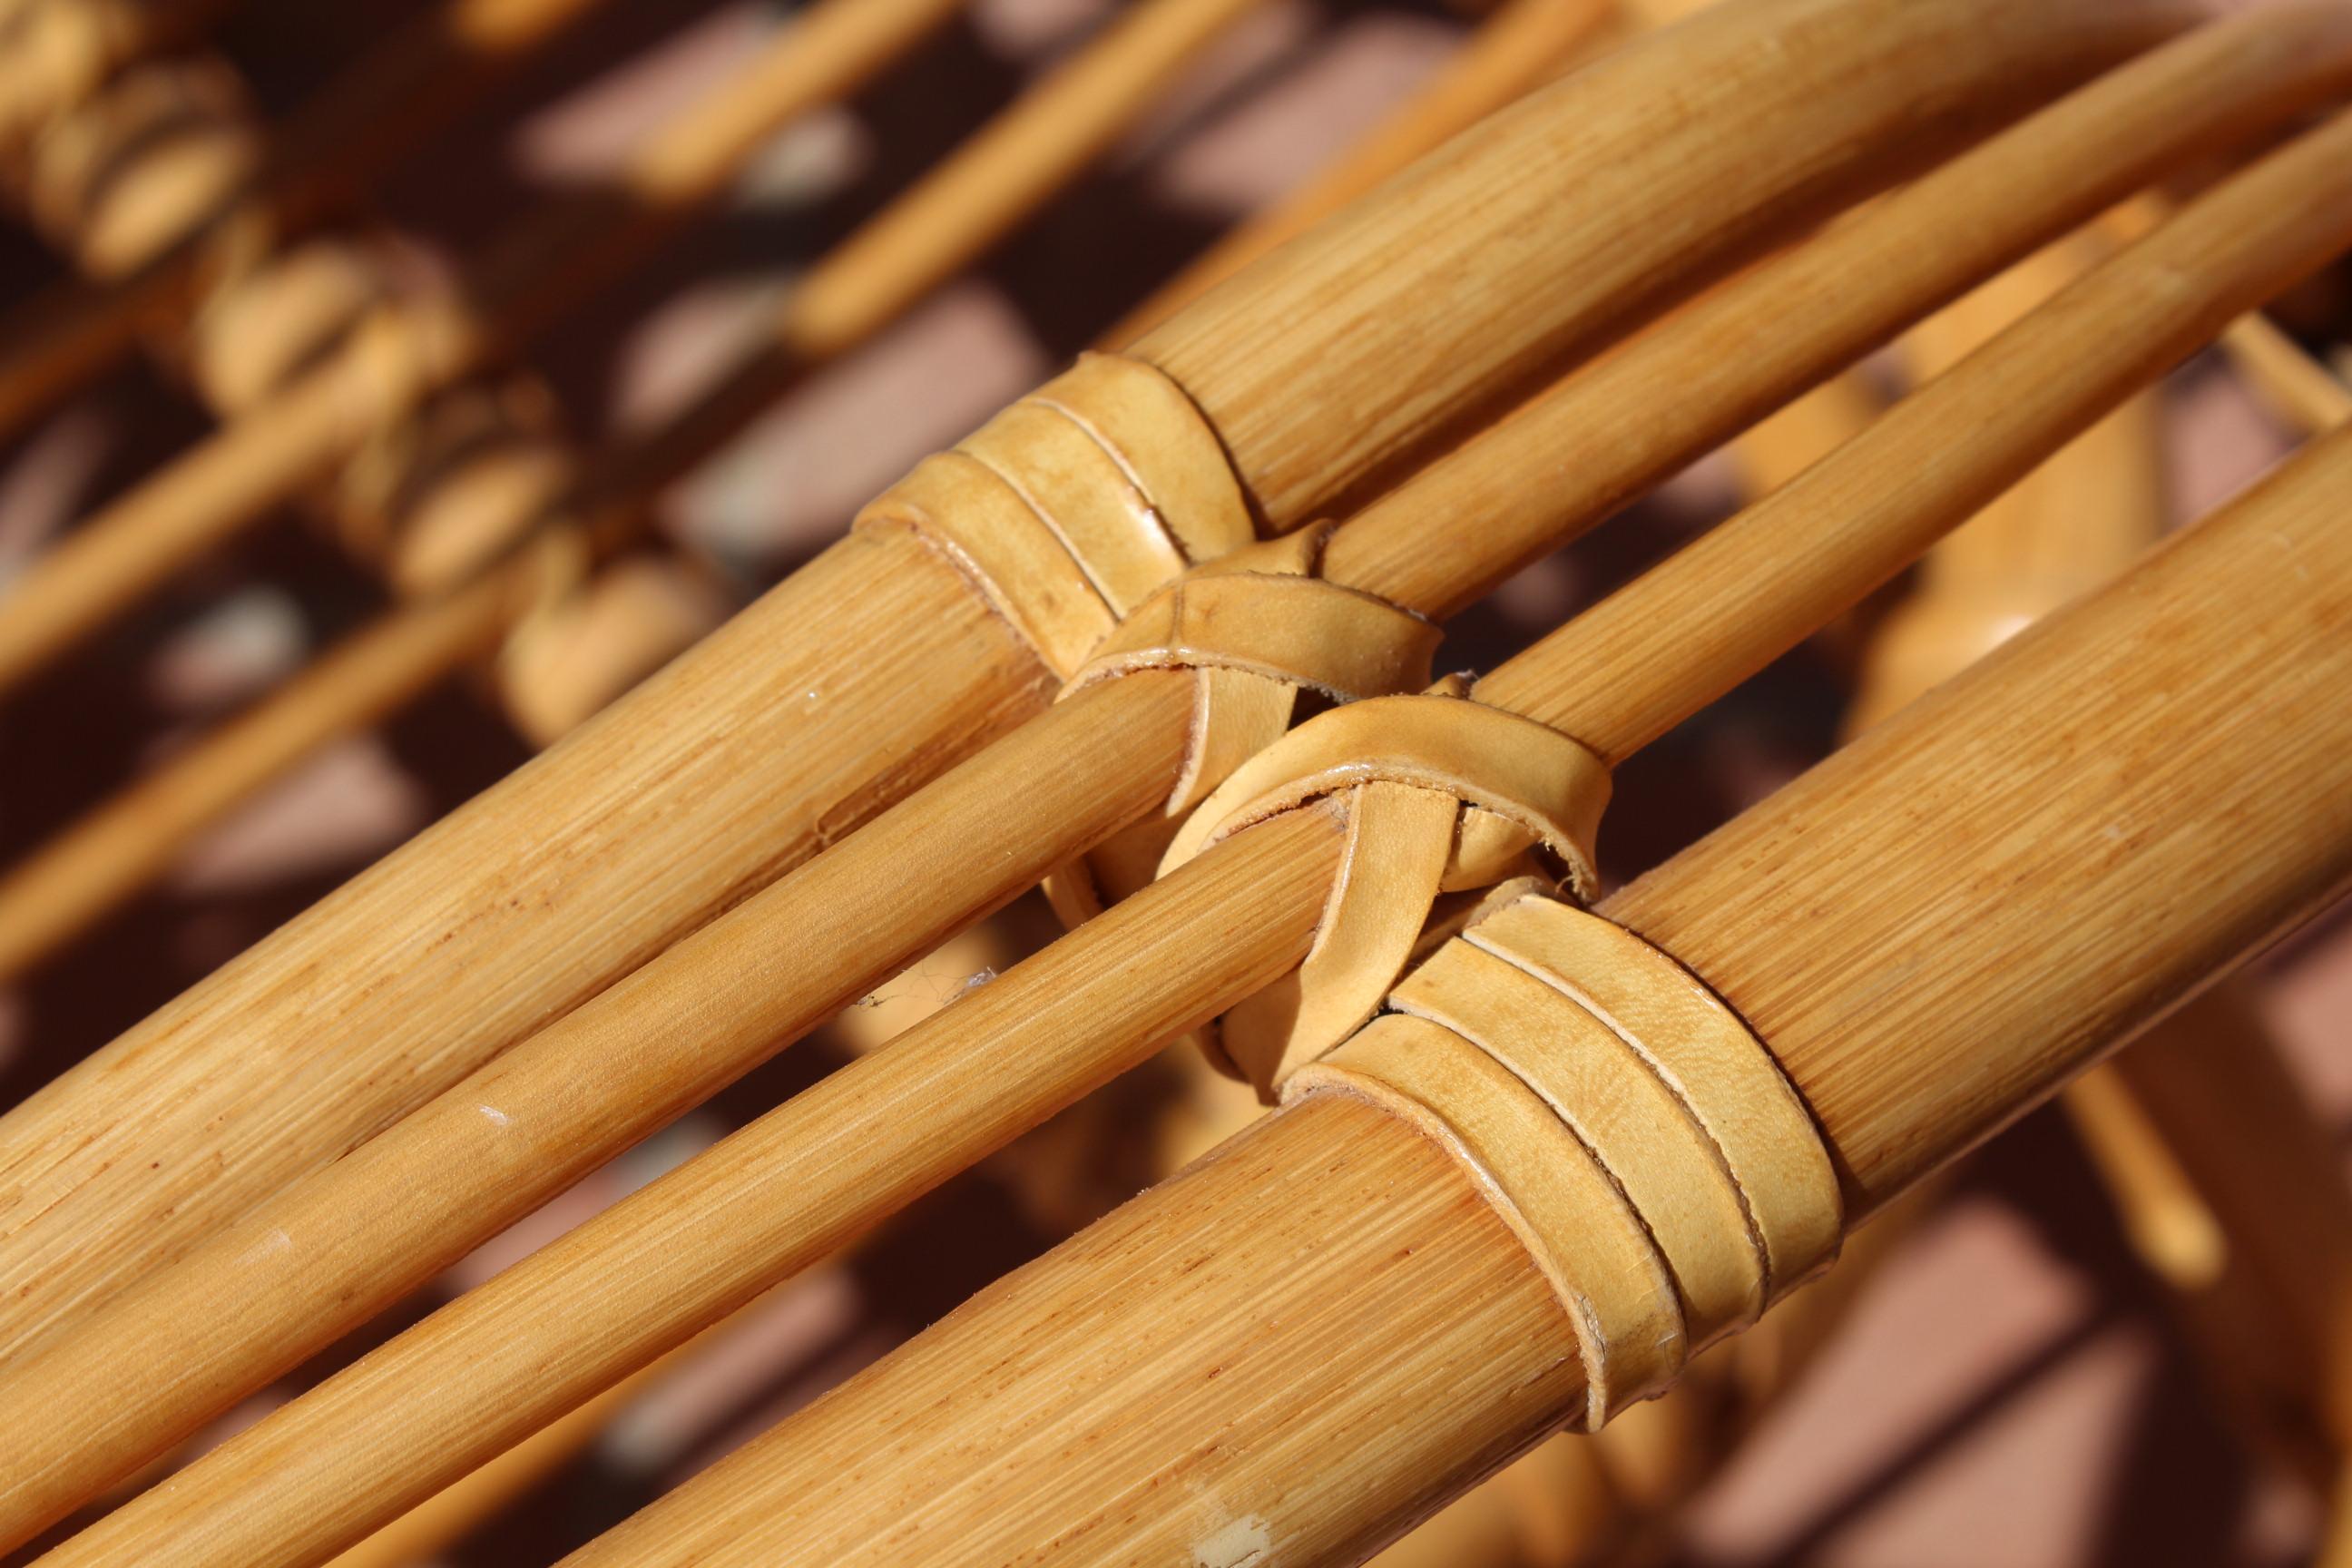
x: 1443, y: 794
x: 1074, y: 504
x: 1630, y: 1128
x: 1254, y: 629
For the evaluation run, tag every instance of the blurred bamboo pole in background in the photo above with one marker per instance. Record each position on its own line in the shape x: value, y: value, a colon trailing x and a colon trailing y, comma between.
x: 162, y: 246
x: 380, y: 360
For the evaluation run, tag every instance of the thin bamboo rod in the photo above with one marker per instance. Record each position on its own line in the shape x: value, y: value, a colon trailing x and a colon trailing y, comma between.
x: 211, y: 1325
x: 448, y: 1516
x: 1321, y: 424
x: 399, y: 94
x: 1523, y: 44
x: 543, y: 265
x: 841, y: 690
x: 1244, y: 1361
x: 883, y: 270
x: 2294, y: 387
x: 2297, y: 387
x: 2121, y: 325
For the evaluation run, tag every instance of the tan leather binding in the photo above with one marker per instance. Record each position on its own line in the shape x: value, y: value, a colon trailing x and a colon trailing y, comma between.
x: 1627, y: 1125
x: 1075, y: 503
x: 1589, y: 1242
x: 1443, y: 794
x: 1254, y: 628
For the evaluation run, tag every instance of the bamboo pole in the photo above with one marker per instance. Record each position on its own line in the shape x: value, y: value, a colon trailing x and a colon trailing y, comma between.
x: 1317, y: 1335
x: 876, y: 1134
x: 395, y: 97
x: 465, y: 1505
x: 2250, y: 1231
x: 1276, y: 404
x: 2229, y: 1189
x: 870, y: 671
x: 1523, y: 44
x: 545, y: 264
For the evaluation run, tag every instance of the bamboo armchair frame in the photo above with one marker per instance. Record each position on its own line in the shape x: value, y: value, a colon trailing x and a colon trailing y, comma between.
x: 944, y: 672
x: 833, y: 1160
x: 234, y: 1306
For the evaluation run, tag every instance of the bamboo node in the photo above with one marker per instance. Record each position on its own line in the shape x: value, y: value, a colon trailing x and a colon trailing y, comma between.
x: 1074, y: 505
x: 1633, y: 1132
x: 1254, y: 628
x: 1443, y: 794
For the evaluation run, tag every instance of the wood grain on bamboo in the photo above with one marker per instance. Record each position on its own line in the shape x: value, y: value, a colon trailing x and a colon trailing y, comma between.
x: 847, y: 1152
x: 1524, y: 42
x: 725, y: 770
x: 2227, y: 1183
x: 1318, y: 1334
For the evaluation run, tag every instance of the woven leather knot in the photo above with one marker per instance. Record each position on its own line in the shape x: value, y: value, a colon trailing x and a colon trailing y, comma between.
x: 437, y: 495
x: 262, y: 329
x: 156, y: 155
x: 1631, y: 1129
x: 1255, y: 629
x: 59, y: 51
x: 1075, y: 503
x: 1443, y: 794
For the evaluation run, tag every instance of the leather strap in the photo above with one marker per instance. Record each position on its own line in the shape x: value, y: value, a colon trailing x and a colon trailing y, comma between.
x: 1629, y: 1127
x: 1589, y: 1242
x: 1729, y: 1082
x: 1074, y: 504
x: 1254, y: 627
x: 1443, y: 794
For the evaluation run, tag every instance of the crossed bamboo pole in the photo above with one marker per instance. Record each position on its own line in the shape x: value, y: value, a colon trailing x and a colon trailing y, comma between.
x: 399, y: 93
x: 2107, y: 146
x: 873, y: 1136
x: 1316, y: 1335
x: 723, y: 773
x: 1564, y: 1444
x: 1525, y: 42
